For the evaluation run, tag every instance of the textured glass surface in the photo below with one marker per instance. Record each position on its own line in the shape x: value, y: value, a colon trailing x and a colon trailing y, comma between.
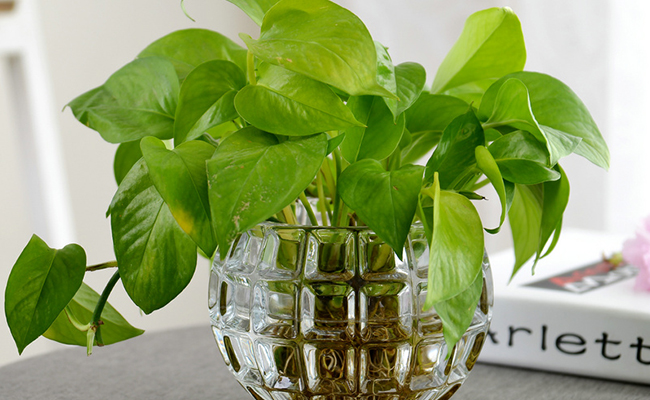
x: 332, y: 314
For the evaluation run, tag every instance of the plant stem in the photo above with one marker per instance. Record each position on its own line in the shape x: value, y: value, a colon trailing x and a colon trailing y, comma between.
x: 337, y: 202
x: 329, y: 178
x: 321, y: 199
x: 343, y: 219
x: 479, y: 185
x: 96, y: 322
x: 250, y: 68
x: 310, y: 212
x: 74, y: 321
x: 289, y: 216
x: 97, y: 267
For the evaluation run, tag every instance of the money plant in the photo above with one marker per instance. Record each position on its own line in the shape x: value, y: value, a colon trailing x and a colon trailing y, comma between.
x: 214, y: 138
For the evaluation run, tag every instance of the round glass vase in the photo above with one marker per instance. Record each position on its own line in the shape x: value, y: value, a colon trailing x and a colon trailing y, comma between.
x: 302, y: 312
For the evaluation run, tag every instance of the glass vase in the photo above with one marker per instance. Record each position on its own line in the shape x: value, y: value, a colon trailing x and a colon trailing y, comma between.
x: 327, y: 313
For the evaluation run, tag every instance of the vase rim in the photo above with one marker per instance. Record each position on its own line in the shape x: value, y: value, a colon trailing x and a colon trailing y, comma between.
x: 270, y: 224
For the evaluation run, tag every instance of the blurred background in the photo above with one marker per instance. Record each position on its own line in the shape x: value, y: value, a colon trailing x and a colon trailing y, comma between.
x: 597, y: 47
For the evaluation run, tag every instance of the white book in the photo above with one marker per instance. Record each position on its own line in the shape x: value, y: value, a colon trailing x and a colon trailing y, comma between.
x: 576, y: 315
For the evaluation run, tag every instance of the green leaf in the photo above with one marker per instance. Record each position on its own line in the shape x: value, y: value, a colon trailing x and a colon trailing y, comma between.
x: 455, y: 155
x: 136, y: 101
x: 40, y: 285
x: 181, y: 179
x: 471, y: 92
x: 127, y: 154
x: 457, y: 312
x: 323, y: 41
x: 486, y: 163
x: 114, y: 327
x: 255, y: 9
x: 512, y: 108
x: 385, y: 200
x: 519, y: 145
x: 556, y: 198
x: 379, y: 138
x: 522, y: 159
x: 207, y: 99
x: 334, y: 142
x: 525, y: 218
x: 253, y: 175
x: 490, y: 46
x: 426, y: 119
x: 410, y: 79
x: 386, y: 73
x: 187, y: 49
x: 156, y: 259
x: 456, y: 248
x: 287, y: 103
x: 556, y: 106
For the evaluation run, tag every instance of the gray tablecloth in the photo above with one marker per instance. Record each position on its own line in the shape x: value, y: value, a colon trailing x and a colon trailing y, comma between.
x: 185, y: 364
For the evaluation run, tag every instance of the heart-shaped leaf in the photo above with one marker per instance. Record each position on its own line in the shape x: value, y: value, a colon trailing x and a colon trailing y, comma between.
x: 525, y: 218
x: 457, y: 312
x: 248, y: 184
x: 556, y: 198
x: 385, y: 200
x: 522, y: 159
x: 126, y: 155
x: 456, y: 248
x: 380, y: 136
x: 556, y: 106
x: 255, y: 9
x: 188, y: 48
x: 426, y: 119
x: 322, y: 41
x: 410, y: 78
x: 512, y: 108
x: 207, y: 99
x: 136, y: 101
x: 455, y: 154
x: 486, y: 163
x: 156, y: 259
x: 490, y: 46
x: 287, y: 103
x: 386, y: 72
x: 114, y: 327
x: 180, y: 176
x: 40, y: 285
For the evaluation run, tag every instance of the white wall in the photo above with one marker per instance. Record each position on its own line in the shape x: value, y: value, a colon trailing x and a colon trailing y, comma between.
x: 86, y: 41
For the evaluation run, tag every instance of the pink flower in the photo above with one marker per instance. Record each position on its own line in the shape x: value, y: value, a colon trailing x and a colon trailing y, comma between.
x: 636, y: 251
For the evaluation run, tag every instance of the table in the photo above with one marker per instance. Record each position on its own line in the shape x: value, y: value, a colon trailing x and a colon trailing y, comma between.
x: 186, y: 364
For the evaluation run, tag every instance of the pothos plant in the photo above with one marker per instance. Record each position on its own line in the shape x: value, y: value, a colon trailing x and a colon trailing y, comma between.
x: 214, y: 139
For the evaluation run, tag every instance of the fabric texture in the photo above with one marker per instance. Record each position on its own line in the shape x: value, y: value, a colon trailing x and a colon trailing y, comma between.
x: 186, y: 364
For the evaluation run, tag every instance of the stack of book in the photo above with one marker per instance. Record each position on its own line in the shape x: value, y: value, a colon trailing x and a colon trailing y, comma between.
x: 577, y: 314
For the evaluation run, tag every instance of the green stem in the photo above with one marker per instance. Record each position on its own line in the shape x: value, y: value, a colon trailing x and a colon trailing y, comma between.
x: 329, y: 178
x: 185, y: 11
x: 96, y: 321
x: 337, y: 202
x: 479, y: 185
x: 250, y: 68
x: 310, y: 212
x: 74, y: 321
x: 289, y: 215
x: 321, y: 199
x: 343, y: 219
x: 97, y: 267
